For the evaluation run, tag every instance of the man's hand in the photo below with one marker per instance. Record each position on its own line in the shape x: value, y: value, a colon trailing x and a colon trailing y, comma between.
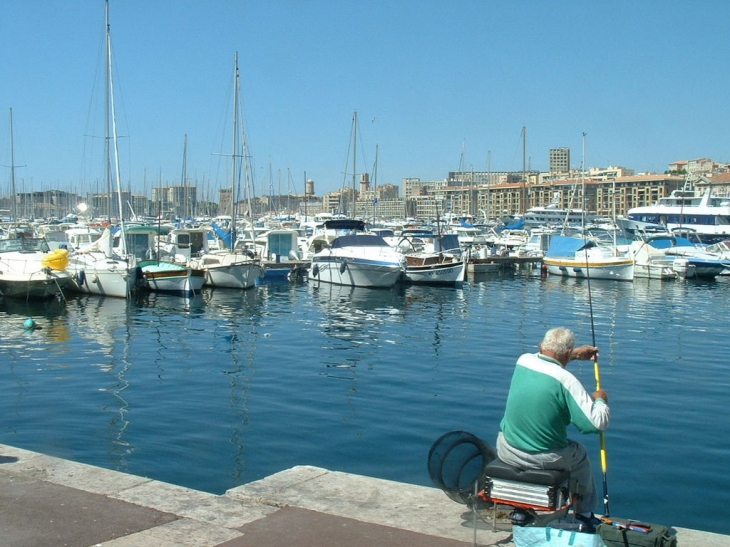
x: 584, y: 353
x: 600, y: 394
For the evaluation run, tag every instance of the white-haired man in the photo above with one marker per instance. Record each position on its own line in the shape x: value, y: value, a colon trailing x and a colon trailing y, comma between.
x: 544, y: 398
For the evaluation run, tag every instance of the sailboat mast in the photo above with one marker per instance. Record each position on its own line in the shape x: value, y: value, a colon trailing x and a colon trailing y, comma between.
x: 524, y: 170
x: 244, y: 155
x: 14, y: 211
x: 235, y: 154
x: 354, y: 160
x: 117, y: 169
x: 583, y: 183
x: 184, y: 176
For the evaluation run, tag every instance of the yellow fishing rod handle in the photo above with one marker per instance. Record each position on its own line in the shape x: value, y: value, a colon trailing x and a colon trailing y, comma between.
x: 597, y: 372
x: 604, y: 457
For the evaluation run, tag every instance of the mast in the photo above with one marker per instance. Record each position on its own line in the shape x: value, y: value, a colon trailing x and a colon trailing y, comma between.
x: 14, y: 210
x: 583, y: 184
x: 375, y: 187
x: 523, y: 204
x: 248, y: 176
x: 112, y: 112
x: 354, y: 160
x: 187, y: 206
x: 234, y: 154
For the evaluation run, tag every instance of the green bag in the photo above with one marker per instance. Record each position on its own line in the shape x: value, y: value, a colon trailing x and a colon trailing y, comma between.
x: 632, y: 533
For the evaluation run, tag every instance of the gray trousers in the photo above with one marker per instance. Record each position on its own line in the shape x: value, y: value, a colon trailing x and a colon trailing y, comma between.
x: 573, y: 457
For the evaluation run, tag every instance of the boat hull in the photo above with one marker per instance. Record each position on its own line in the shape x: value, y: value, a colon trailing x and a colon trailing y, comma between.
x: 171, y: 278
x: 355, y: 272
x: 229, y: 270
x: 617, y: 269
x: 433, y: 270
x: 358, y: 260
x: 654, y: 271
x: 237, y: 276
x: 32, y: 274
x: 38, y: 287
x: 97, y: 274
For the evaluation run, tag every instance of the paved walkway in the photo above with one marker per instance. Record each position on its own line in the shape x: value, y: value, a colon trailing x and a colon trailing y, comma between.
x: 50, y: 502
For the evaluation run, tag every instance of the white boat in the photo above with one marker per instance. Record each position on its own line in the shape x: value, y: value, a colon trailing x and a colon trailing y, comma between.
x: 553, y: 215
x: 357, y: 259
x: 222, y: 267
x: 95, y: 266
x: 280, y: 253
x: 468, y: 235
x: 30, y: 270
x: 581, y: 258
x: 431, y: 259
x: 434, y: 269
x: 228, y: 267
x: 170, y: 277
x: 96, y: 269
x: 28, y: 267
x: 651, y: 263
x: 679, y: 244
x: 707, y: 214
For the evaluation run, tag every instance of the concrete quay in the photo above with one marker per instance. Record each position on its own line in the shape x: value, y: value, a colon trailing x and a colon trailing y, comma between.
x: 52, y: 502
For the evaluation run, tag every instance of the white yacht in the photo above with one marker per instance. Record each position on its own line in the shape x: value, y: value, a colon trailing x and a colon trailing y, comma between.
x: 708, y: 215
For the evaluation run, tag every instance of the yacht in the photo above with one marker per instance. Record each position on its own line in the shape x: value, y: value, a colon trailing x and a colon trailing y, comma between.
x: 708, y: 215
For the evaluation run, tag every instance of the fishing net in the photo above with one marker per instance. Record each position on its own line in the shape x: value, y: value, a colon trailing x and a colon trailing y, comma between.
x: 456, y: 461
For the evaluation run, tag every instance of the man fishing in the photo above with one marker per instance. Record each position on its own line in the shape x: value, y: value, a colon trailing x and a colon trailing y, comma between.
x: 544, y: 398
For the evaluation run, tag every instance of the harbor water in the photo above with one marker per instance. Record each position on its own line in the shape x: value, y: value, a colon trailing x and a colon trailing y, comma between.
x: 231, y: 386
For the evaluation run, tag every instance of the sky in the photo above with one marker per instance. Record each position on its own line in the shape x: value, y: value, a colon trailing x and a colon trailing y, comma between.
x: 438, y: 86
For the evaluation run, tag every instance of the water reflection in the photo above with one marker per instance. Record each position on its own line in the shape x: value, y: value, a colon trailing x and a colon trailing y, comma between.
x: 221, y: 302
x: 105, y: 322
x: 170, y: 302
x: 354, y: 317
x: 51, y: 329
x: 237, y: 319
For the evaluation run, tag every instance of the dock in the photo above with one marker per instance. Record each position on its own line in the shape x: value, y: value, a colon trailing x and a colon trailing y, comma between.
x: 499, y: 263
x: 50, y: 502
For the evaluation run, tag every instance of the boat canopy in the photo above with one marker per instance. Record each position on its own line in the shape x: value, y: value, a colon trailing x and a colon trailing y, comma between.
x: 345, y: 224
x: 568, y: 246
x: 358, y: 240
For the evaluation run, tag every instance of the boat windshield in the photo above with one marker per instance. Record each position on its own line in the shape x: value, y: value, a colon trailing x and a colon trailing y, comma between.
x: 27, y: 244
x: 359, y: 240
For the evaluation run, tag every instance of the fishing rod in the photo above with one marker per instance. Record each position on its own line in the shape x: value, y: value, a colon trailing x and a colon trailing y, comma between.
x: 596, y: 367
x: 597, y: 373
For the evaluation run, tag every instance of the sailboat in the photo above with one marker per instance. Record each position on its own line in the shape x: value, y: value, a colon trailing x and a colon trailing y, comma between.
x: 230, y: 266
x: 97, y: 268
x: 584, y: 257
x: 28, y: 267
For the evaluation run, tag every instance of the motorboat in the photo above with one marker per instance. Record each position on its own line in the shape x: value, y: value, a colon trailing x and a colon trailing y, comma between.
x: 30, y: 270
x: 684, y: 244
x: 705, y: 213
x: 431, y: 259
x: 170, y: 277
x: 280, y: 253
x: 356, y: 258
x: 434, y: 269
x: 651, y: 263
x: 223, y: 267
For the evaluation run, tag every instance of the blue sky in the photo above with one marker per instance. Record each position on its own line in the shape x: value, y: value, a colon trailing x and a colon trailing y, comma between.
x: 436, y: 84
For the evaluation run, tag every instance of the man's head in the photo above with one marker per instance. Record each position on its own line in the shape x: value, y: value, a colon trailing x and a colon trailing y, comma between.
x: 558, y: 343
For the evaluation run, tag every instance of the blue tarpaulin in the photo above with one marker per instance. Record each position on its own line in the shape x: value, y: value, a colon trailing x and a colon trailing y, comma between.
x: 567, y: 246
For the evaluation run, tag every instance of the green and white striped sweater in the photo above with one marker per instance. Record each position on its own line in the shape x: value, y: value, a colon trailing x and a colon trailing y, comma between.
x: 543, y: 400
